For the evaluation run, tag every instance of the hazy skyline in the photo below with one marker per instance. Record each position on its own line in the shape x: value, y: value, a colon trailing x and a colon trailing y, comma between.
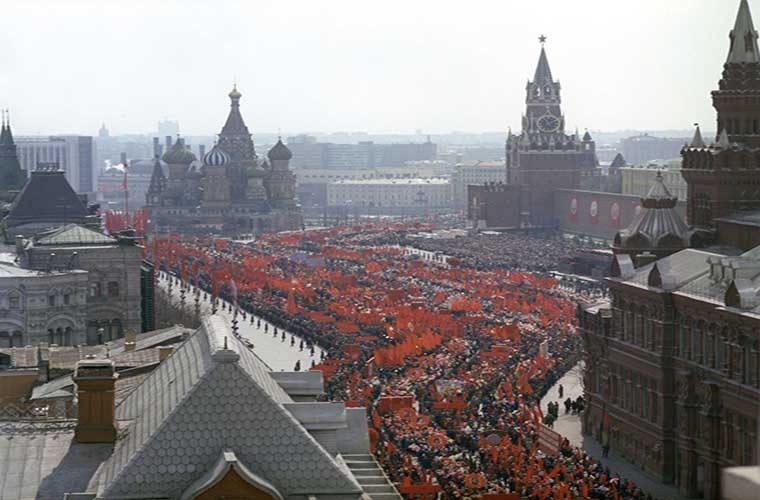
x: 380, y: 67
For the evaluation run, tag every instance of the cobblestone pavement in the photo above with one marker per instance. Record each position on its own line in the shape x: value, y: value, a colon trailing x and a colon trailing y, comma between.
x: 570, y: 426
x: 278, y: 354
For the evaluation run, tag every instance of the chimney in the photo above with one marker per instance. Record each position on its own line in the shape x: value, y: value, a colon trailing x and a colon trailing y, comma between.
x: 168, y: 143
x: 95, y: 380
x: 201, y: 151
x: 156, y: 147
x: 164, y: 351
x: 124, y: 159
x: 130, y: 340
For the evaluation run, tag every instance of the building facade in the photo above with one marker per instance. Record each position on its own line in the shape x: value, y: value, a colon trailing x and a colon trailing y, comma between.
x: 307, y: 153
x: 74, y: 154
x: 673, y: 358
x: 113, y: 265
x: 390, y: 196
x: 230, y: 192
x: 475, y: 173
x: 637, y: 180
x: 42, y: 306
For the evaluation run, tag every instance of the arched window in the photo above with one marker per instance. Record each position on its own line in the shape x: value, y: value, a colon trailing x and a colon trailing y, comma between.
x: 113, y: 288
x: 648, y: 330
x: 711, y: 347
x: 683, y: 343
x: 702, y: 208
x: 720, y: 350
x: 95, y: 290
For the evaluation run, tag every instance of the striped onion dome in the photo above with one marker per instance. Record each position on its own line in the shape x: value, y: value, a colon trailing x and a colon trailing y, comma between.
x: 216, y: 157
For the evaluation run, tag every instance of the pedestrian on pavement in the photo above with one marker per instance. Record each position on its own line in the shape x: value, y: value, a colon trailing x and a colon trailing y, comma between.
x: 606, y: 450
x: 561, y: 391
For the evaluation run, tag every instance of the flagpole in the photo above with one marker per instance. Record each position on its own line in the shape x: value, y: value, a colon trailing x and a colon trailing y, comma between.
x: 126, y: 195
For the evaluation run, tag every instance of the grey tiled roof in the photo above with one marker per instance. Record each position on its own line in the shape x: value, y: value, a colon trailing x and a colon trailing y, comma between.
x: 151, y: 339
x: 208, y: 396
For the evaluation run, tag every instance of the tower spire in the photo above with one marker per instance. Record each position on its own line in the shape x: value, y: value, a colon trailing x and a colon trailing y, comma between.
x: 543, y: 71
x: 697, y: 141
x: 743, y: 38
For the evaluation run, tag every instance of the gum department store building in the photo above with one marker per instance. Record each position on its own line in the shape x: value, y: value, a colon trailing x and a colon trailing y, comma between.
x: 672, y: 370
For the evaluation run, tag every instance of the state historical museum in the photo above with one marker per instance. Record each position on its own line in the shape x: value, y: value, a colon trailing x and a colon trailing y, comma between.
x: 672, y: 373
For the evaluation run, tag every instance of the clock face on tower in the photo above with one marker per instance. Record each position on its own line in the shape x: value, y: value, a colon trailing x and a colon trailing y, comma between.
x: 548, y: 123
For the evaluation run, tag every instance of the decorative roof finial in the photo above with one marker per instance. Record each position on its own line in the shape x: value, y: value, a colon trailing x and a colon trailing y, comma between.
x: 697, y: 141
x: 542, y: 39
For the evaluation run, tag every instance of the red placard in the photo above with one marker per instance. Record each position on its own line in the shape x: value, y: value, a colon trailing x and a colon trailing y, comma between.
x: 549, y: 441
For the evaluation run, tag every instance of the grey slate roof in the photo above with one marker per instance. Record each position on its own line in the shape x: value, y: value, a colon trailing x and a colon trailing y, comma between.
x: 41, y: 461
x: 47, y: 197
x: 684, y: 266
x: 213, y: 394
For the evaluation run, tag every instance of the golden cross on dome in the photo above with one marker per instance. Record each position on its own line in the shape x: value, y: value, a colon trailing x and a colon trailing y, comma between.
x: 542, y: 39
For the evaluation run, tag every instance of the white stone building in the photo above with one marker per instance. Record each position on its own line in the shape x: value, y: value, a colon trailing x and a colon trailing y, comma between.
x: 475, y: 173
x: 40, y: 306
x: 74, y: 154
x: 637, y: 180
x: 409, y: 195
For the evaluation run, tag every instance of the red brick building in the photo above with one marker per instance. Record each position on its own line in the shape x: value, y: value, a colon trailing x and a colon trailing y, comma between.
x: 672, y: 375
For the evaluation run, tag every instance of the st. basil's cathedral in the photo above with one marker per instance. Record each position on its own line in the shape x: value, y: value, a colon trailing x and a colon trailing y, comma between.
x: 229, y: 192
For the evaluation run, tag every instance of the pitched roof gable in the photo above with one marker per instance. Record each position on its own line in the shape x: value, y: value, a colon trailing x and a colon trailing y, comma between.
x: 213, y: 394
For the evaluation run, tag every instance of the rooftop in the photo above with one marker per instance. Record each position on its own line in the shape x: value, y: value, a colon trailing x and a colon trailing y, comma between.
x: 393, y: 182
x: 212, y: 396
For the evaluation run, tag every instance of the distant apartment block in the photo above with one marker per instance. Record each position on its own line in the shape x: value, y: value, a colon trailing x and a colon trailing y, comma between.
x: 644, y: 148
x: 307, y: 153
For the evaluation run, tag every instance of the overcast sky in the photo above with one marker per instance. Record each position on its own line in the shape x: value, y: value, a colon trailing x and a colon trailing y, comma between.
x: 377, y: 66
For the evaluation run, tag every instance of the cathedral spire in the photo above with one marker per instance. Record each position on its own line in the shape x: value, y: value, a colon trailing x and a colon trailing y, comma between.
x: 543, y: 71
x: 234, y: 124
x: 743, y: 38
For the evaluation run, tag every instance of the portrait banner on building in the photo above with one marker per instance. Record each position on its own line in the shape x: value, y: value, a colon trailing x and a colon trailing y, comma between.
x: 574, y: 209
x: 593, y: 212
x: 615, y: 215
